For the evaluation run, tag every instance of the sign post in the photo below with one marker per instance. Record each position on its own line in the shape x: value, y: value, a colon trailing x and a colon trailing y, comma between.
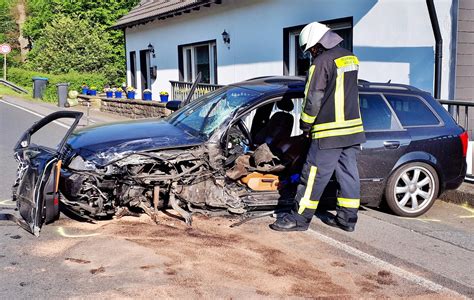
x: 5, y: 49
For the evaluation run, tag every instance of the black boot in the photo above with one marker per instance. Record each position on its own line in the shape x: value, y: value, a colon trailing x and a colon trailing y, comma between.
x: 331, y: 220
x: 289, y: 223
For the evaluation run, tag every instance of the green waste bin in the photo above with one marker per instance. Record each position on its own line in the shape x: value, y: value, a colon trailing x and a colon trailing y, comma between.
x: 39, y: 85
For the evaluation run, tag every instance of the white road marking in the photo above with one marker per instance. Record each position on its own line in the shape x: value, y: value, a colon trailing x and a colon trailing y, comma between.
x: 35, y: 113
x: 424, y: 220
x: 64, y: 234
x: 7, y: 202
x: 426, y: 283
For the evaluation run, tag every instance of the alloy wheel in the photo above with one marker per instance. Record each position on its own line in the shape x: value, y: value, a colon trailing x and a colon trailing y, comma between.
x: 414, y: 189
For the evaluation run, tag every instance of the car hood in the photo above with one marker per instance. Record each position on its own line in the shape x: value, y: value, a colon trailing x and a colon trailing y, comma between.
x: 102, y: 144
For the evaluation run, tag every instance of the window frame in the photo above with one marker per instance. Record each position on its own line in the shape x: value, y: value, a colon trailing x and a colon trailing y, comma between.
x: 183, y: 61
x: 145, y: 74
x: 399, y: 124
x: 423, y: 100
x: 132, y: 56
x: 289, y: 33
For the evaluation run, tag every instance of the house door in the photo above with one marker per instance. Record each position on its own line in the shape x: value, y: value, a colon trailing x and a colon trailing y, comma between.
x: 144, y: 69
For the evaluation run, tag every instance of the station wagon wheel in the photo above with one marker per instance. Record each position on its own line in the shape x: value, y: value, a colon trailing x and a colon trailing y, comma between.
x: 412, y: 189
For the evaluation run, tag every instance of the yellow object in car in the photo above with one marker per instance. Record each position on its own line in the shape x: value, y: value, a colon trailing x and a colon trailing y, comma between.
x: 261, y: 182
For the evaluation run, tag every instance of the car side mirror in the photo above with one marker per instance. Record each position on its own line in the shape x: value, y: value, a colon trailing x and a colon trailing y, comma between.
x: 173, y: 105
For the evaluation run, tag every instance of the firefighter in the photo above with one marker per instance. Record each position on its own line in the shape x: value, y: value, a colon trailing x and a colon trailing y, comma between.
x: 331, y: 117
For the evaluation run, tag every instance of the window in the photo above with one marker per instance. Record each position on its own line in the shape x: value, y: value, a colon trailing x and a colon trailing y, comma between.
x: 376, y: 115
x: 198, y: 58
x: 412, y: 110
x: 145, y: 69
x: 258, y: 118
x: 295, y: 62
x: 202, y: 117
x: 133, y: 69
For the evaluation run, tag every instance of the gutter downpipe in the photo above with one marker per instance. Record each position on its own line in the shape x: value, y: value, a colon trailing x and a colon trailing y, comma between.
x: 438, y: 48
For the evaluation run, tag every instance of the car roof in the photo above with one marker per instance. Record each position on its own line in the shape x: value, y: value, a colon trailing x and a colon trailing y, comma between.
x: 274, y: 84
x: 283, y: 84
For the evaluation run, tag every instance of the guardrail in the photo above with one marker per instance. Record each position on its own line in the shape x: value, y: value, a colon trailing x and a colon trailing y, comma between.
x: 181, y: 89
x: 460, y: 110
x: 13, y: 86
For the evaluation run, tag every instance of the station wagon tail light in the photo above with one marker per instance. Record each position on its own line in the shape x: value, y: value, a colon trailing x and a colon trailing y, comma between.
x: 464, y: 141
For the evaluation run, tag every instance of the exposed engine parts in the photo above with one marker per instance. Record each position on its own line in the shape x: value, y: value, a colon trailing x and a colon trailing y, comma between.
x: 187, y: 180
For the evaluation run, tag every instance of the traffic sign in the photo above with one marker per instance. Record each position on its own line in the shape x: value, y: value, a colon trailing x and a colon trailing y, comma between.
x: 5, y: 49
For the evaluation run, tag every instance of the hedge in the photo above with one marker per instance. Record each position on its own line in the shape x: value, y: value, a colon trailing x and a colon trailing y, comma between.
x: 23, y: 78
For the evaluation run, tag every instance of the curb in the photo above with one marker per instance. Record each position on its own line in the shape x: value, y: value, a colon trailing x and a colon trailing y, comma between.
x: 463, y: 195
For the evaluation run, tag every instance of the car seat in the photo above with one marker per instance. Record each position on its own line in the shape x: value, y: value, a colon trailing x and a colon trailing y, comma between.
x: 279, y: 127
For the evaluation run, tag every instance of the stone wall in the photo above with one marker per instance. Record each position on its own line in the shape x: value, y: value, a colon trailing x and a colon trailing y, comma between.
x: 134, y: 109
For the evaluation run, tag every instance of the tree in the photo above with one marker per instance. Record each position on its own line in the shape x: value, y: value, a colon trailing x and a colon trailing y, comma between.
x: 69, y: 44
x: 100, y: 14
x: 9, y: 30
x: 7, y: 24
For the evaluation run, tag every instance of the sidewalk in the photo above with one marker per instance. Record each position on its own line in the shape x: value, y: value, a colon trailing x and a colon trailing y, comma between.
x: 44, y: 108
x: 464, y: 195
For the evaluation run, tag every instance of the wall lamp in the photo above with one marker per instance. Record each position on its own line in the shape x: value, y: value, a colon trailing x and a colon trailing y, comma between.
x: 151, y: 49
x: 226, y: 38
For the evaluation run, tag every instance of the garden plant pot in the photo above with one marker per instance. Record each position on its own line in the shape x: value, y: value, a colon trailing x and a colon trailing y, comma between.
x: 109, y: 94
x: 164, y: 98
x: 92, y: 93
x: 85, y: 91
x: 118, y: 95
x: 146, y: 96
x: 130, y: 95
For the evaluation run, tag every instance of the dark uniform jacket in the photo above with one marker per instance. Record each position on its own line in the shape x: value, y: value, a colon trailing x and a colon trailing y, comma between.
x: 331, y: 105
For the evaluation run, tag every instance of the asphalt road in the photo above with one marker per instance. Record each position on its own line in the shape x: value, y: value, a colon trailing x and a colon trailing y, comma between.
x: 434, y: 251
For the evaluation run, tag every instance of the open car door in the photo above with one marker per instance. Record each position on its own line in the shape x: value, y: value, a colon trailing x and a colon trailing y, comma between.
x: 36, y: 187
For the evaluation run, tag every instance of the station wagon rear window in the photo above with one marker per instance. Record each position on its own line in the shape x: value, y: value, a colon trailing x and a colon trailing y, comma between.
x: 412, y: 110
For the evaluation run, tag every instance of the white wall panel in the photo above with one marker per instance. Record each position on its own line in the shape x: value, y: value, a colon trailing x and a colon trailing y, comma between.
x: 393, y: 38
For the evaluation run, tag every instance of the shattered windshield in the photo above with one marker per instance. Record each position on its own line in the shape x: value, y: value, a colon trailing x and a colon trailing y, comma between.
x: 207, y: 113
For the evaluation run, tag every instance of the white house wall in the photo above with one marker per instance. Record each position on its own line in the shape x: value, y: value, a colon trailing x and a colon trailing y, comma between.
x: 393, y: 38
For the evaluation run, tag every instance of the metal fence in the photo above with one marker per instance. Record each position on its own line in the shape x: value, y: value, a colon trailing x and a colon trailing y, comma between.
x: 463, y: 114
x: 460, y: 110
x: 180, y: 89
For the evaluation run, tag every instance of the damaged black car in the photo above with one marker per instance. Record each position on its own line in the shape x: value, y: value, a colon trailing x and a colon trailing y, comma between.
x: 237, y: 150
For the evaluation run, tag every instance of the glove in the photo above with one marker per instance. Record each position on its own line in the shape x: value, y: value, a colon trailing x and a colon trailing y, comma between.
x: 306, y: 128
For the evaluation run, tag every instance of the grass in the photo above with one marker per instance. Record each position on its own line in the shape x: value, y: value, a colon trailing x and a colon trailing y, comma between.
x: 4, y: 90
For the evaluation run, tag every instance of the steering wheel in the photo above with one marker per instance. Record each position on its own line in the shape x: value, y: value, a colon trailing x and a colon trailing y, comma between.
x: 245, y: 131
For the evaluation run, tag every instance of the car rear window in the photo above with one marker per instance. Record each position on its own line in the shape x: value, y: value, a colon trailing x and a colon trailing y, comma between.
x: 376, y: 115
x: 412, y: 111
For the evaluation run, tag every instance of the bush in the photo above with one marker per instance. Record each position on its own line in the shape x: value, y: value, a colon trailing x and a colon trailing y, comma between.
x: 24, y: 78
x: 70, y: 44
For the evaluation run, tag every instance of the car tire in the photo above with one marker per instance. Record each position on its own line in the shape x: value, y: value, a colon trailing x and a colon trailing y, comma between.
x: 412, y: 189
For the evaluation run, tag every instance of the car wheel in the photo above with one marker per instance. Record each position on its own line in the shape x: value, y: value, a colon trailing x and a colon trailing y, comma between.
x: 412, y: 189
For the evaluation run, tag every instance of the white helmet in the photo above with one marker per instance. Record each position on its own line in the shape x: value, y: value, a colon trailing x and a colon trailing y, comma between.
x: 311, y: 35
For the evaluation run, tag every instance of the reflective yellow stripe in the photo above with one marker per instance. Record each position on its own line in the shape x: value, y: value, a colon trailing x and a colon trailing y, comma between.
x: 334, y: 125
x: 337, y: 132
x: 307, y: 118
x: 305, y: 202
x: 348, y: 203
x: 346, y: 61
x: 308, y: 84
x: 339, y: 98
x: 347, y: 69
x: 343, y: 64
